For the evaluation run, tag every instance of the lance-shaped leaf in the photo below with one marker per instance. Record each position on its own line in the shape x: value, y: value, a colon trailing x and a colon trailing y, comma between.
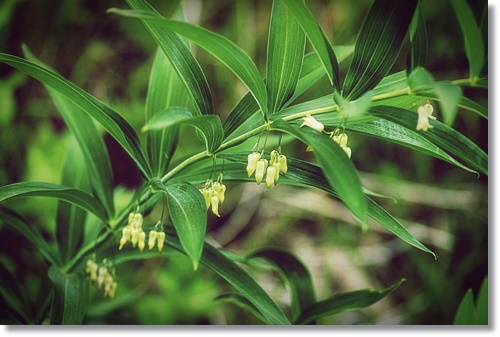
x: 449, y: 95
x: 243, y: 303
x: 65, y: 193
x: 296, y: 275
x: 219, y: 46
x: 109, y: 119
x: 318, y: 40
x: 473, y: 39
x: 351, y: 300
x: 441, y: 135
x: 210, y: 126
x: 189, y: 216
x: 300, y: 173
x: 419, y: 44
x: 243, y: 282
x: 338, y: 168
x: 378, y: 45
x: 400, y: 135
x: 15, y: 221
x: 244, y: 117
x: 180, y: 58
x: 70, y: 219
x: 285, y: 53
x: 89, y: 140
x: 69, y: 299
x: 165, y: 90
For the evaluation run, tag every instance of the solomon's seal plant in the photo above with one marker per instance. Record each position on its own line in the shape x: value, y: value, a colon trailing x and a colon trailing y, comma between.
x: 370, y: 98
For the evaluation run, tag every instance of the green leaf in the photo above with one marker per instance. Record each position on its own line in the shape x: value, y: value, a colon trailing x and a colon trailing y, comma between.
x: 473, y: 39
x: 244, y: 117
x: 441, y: 135
x: 449, y: 95
x: 482, y: 303
x: 338, y: 168
x: 419, y: 44
x: 13, y: 220
x: 109, y: 119
x: 241, y: 302
x: 378, y: 45
x: 467, y: 103
x: 70, y: 298
x: 300, y: 173
x: 65, y: 193
x: 90, y: 141
x: 285, y: 54
x: 210, y: 126
x: 466, y: 313
x: 352, y: 300
x: 165, y: 90
x: 219, y: 46
x: 189, y: 216
x: 318, y: 40
x: 70, y: 220
x: 245, y: 284
x: 180, y: 58
x: 296, y: 275
x: 14, y: 297
x: 355, y: 108
x: 400, y: 135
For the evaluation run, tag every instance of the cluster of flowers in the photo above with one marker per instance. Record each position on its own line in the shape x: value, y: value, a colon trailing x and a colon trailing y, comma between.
x: 134, y: 233
x: 424, y: 113
x: 213, y: 193
x: 340, y: 139
x: 103, y: 277
x: 277, y: 163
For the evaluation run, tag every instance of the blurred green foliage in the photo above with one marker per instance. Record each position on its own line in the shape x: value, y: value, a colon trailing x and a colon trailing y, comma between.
x: 110, y: 57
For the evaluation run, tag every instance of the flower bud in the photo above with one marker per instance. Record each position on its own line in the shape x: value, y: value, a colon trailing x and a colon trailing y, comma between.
x: 253, y: 158
x: 277, y: 174
x: 312, y: 123
x: 152, y: 239
x: 221, y: 190
x: 160, y: 240
x: 260, y: 170
x: 102, y: 274
x: 270, y: 176
x: 283, y: 164
x: 125, y: 237
x: 138, y: 220
x: 142, y: 240
x: 92, y: 269
x: 134, y: 234
x: 215, y: 205
x: 347, y: 150
x: 206, y: 195
x: 273, y: 157
x: 112, y: 290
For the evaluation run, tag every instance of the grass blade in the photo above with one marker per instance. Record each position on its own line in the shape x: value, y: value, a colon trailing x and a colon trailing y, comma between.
x: 378, y: 45
x: 285, y: 54
x: 419, y: 44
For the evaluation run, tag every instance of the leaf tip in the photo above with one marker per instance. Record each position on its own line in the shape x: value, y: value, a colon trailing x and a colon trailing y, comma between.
x: 195, y: 265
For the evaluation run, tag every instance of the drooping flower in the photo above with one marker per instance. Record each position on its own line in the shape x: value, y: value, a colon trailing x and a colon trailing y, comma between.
x: 312, y: 123
x: 221, y: 190
x: 270, y: 176
x: 142, y: 240
x: 160, y: 241
x: 215, y: 204
x: 424, y: 113
x: 342, y: 141
x: 283, y: 164
x: 91, y: 269
x: 260, y: 170
x: 152, y: 239
x: 253, y: 158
